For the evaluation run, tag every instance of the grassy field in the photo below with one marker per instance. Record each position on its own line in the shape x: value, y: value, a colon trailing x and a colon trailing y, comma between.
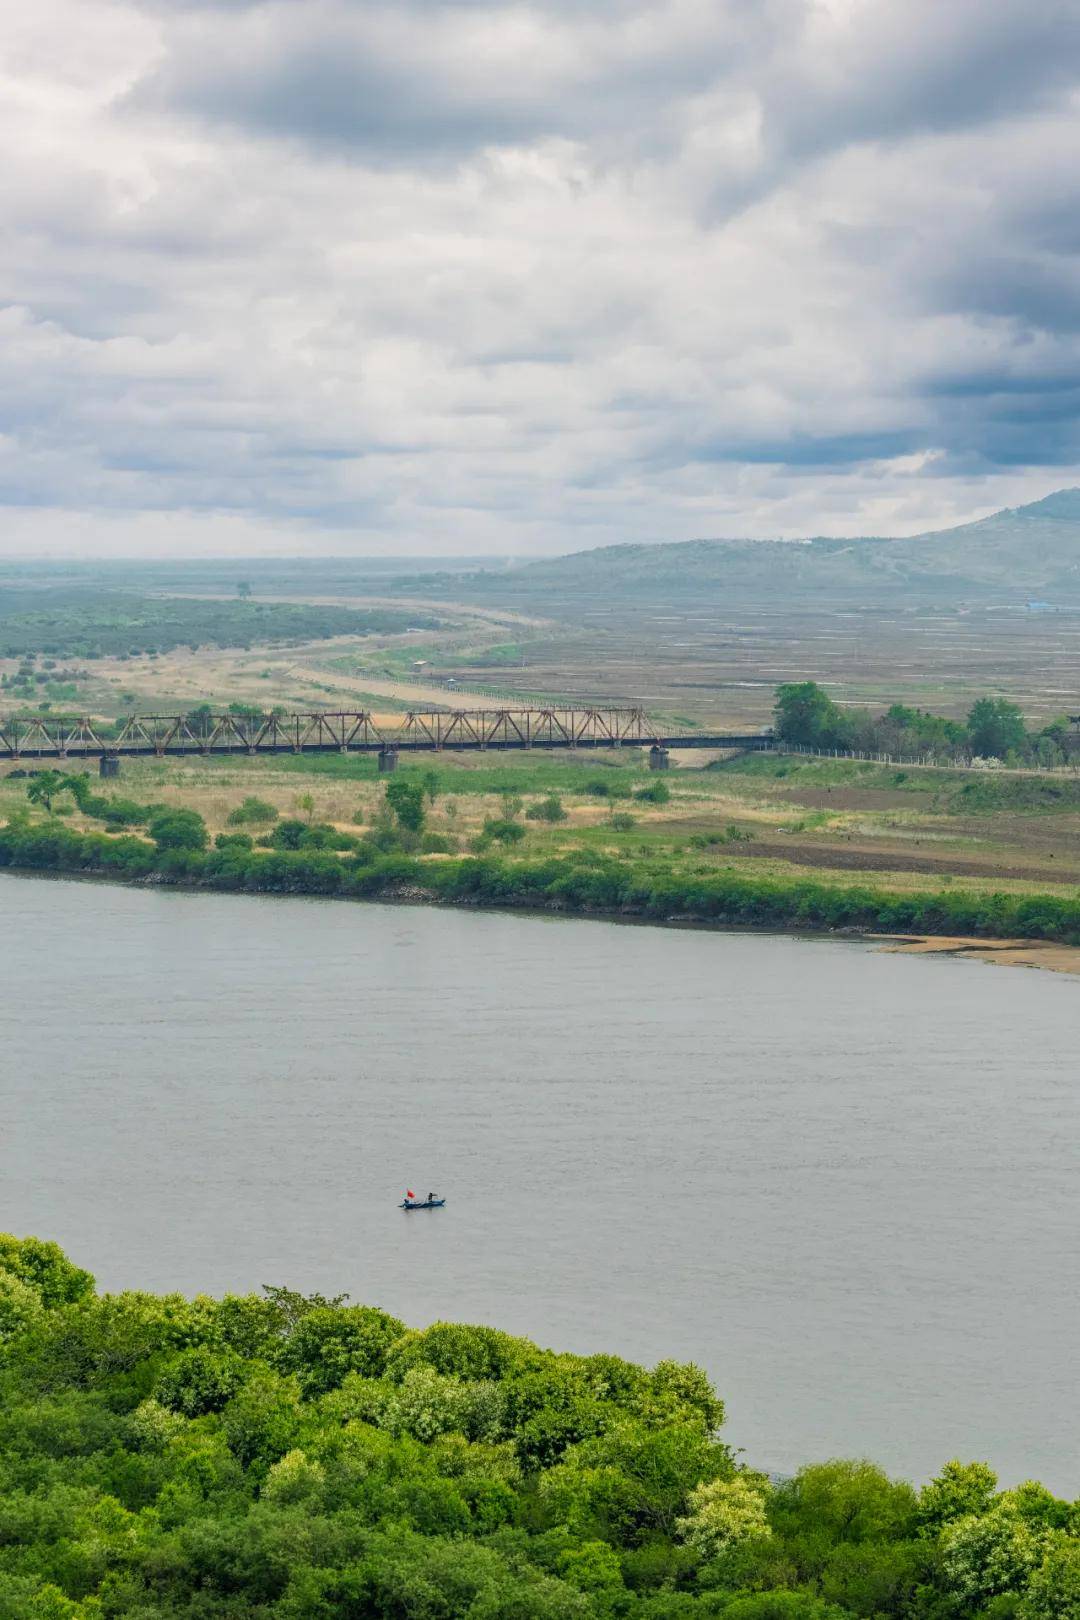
x: 767, y: 816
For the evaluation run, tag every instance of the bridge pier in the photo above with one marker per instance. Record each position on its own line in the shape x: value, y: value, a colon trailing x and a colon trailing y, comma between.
x: 659, y: 758
x: 388, y: 760
x: 109, y: 765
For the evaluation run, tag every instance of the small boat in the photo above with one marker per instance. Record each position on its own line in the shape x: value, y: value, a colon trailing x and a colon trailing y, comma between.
x: 430, y: 1202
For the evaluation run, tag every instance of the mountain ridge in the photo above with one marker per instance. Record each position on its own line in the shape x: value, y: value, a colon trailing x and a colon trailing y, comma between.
x: 1032, y: 549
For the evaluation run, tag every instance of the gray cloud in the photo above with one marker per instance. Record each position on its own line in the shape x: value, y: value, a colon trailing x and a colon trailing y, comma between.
x: 512, y: 277
x: 396, y: 80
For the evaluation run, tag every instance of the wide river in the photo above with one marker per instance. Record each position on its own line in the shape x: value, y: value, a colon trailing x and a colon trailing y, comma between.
x: 845, y: 1182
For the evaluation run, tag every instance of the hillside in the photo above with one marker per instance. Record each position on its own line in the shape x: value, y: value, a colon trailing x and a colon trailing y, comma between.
x: 1029, y: 551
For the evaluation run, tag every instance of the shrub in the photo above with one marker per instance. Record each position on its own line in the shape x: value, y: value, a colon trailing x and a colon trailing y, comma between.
x: 549, y: 809
x: 622, y: 822
x: 734, y: 834
x: 433, y: 843
x: 503, y: 830
x: 234, y: 841
x: 179, y: 830
x: 251, y: 812
x: 656, y: 792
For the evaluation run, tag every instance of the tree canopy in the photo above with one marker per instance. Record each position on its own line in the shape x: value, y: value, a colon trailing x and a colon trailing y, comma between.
x: 292, y: 1457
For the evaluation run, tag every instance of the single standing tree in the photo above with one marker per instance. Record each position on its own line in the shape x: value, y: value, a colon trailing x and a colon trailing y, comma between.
x: 43, y: 788
x: 996, y: 728
x: 406, y: 800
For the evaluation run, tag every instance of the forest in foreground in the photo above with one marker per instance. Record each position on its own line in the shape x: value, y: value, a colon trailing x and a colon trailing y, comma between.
x: 295, y: 1457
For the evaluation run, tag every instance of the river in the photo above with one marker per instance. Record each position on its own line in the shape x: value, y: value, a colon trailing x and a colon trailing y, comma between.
x: 843, y: 1181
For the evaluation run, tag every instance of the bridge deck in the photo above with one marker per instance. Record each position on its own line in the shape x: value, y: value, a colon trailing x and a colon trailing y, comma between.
x: 352, y: 731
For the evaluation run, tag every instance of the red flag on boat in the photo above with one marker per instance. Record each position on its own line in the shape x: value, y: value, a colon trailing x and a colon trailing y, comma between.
x: 409, y: 1193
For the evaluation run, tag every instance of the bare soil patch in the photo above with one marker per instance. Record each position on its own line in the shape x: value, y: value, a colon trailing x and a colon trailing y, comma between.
x: 846, y: 857
x: 1044, y: 954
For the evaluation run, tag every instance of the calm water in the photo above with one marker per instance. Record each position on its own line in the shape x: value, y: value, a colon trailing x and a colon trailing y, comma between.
x: 844, y: 1181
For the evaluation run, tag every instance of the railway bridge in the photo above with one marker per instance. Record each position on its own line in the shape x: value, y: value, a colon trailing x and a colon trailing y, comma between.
x: 321, y: 731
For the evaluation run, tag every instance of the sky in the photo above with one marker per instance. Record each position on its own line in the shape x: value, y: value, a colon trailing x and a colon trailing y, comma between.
x: 338, y: 276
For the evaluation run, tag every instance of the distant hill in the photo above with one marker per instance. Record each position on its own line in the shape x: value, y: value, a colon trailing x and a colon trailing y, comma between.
x: 1028, y: 552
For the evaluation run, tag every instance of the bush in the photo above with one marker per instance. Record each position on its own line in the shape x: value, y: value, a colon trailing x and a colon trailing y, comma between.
x: 657, y: 792
x: 251, y: 812
x: 549, y: 809
x: 433, y: 843
x: 179, y: 830
x: 622, y: 822
x: 734, y: 834
x: 287, y: 834
x: 503, y: 830
x: 234, y: 841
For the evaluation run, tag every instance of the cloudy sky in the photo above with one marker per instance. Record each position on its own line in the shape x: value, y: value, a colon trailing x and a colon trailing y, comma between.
x: 345, y: 276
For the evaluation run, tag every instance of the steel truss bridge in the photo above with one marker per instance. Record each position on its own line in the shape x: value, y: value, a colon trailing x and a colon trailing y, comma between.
x: 343, y: 732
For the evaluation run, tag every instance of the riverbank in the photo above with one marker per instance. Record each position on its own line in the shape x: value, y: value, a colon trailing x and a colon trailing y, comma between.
x: 1045, y: 954
x: 588, y: 884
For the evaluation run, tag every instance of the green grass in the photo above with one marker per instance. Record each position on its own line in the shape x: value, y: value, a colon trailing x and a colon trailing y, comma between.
x: 955, y: 792
x: 511, y: 772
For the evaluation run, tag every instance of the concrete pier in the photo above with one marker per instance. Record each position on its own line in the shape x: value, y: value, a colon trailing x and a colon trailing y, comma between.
x: 388, y: 760
x: 659, y: 758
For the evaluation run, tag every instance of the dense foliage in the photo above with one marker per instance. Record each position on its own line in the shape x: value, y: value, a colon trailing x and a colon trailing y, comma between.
x: 312, y: 859
x: 74, y: 621
x: 277, y: 1455
x: 806, y: 715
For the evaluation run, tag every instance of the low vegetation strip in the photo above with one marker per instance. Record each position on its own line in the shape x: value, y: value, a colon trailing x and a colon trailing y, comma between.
x: 79, y: 622
x: 585, y: 883
x: 292, y: 1457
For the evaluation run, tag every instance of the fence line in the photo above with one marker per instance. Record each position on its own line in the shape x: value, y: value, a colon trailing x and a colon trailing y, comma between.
x: 928, y: 762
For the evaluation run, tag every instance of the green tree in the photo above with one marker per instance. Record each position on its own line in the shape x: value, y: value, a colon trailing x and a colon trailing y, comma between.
x: 19, y: 1305
x: 179, y: 829
x: 44, y: 786
x: 200, y: 720
x: 986, y: 1555
x: 201, y: 1380
x: 46, y: 1268
x: 1054, y: 1590
x: 306, y: 803
x: 406, y: 800
x: 959, y: 1490
x: 329, y: 1343
x: 807, y: 715
x: 723, y: 1512
x: 996, y: 728
x: 845, y: 1500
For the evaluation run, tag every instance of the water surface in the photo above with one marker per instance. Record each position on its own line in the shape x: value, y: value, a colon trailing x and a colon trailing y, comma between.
x: 843, y: 1181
